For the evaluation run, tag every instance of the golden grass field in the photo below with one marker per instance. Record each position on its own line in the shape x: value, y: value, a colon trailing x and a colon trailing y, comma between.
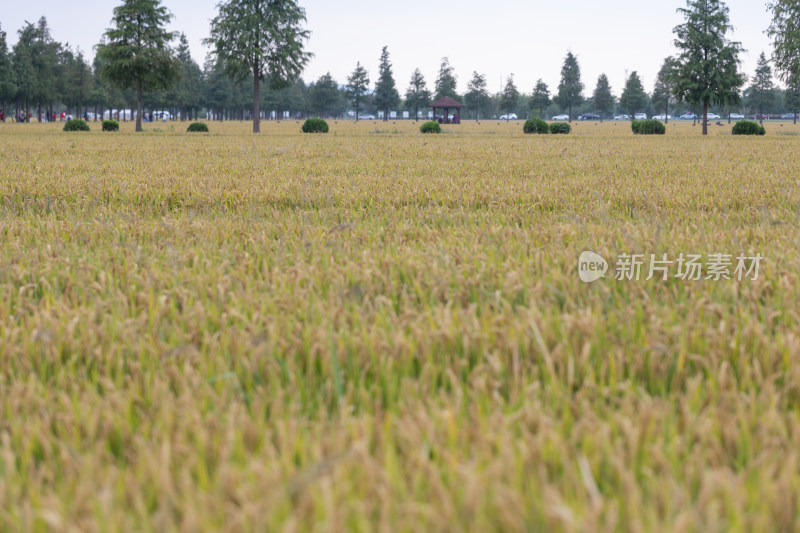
x: 375, y: 330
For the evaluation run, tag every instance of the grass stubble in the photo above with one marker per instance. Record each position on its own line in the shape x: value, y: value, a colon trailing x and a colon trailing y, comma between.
x: 376, y: 330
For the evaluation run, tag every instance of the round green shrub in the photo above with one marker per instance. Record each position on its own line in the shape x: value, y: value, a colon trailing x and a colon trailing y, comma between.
x: 535, y: 125
x: 197, y: 127
x: 648, y: 127
x: 315, y: 125
x: 430, y: 127
x: 76, y: 124
x: 748, y: 127
x: 110, y: 125
x: 560, y: 127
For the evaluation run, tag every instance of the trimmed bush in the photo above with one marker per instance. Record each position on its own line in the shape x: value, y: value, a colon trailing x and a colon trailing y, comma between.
x: 197, y: 127
x: 648, y: 127
x: 76, y: 124
x: 110, y: 125
x: 748, y: 127
x: 560, y: 127
x: 430, y: 127
x: 535, y: 125
x: 315, y: 125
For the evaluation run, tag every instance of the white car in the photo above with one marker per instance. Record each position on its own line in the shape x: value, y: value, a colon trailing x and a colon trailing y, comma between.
x: 561, y: 117
x: 736, y: 116
x: 688, y: 116
x: 662, y: 117
x: 712, y: 116
x: 640, y: 116
x: 622, y: 117
x: 510, y: 116
x: 366, y: 117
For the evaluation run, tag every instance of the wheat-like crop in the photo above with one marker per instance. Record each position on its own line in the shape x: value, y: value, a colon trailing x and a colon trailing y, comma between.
x: 379, y: 330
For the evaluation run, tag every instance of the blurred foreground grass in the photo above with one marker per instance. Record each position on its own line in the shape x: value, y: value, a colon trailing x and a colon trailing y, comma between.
x: 376, y: 330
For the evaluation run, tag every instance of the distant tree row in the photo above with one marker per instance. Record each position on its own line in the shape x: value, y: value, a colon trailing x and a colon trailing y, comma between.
x: 258, y: 55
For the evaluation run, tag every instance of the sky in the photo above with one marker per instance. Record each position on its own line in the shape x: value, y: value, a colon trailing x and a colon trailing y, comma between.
x: 526, y: 38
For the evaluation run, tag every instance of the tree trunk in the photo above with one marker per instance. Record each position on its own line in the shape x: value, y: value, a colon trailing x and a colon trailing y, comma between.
x: 705, y: 117
x: 139, y: 105
x: 570, y: 112
x: 256, y: 105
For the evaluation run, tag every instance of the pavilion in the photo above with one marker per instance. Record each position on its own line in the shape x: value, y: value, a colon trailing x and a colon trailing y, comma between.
x: 446, y: 103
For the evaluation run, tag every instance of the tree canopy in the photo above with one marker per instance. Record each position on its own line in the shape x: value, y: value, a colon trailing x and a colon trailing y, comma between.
x: 633, y: 98
x: 477, y: 98
x: 386, y: 95
x: 417, y: 94
x: 663, y: 87
x: 540, y: 98
x: 8, y: 84
x: 446, y: 82
x: 785, y: 33
x: 761, y: 88
x: 357, y: 85
x: 602, y: 98
x: 262, y: 39
x: 707, y: 68
x: 570, y: 89
x: 137, y: 53
x: 324, y: 95
x: 508, y: 100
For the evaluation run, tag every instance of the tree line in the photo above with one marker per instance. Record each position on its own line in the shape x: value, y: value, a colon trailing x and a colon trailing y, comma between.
x: 258, y: 54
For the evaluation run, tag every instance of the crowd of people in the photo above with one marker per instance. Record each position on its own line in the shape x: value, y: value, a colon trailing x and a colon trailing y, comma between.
x: 64, y: 116
x: 44, y: 117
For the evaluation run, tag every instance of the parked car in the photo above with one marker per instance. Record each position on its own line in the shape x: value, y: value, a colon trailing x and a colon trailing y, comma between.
x: 712, y: 116
x: 760, y: 117
x: 510, y: 116
x: 589, y: 116
x: 366, y: 117
x: 736, y: 116
x: 640, y: 116
x: 788, y: 116
x: 561, y: 117
x: 622, y: 117
x: 662, y: 117
x: 688, y: 116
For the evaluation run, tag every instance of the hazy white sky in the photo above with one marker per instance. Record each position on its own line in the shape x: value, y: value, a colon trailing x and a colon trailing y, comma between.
x: 528, y: 38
